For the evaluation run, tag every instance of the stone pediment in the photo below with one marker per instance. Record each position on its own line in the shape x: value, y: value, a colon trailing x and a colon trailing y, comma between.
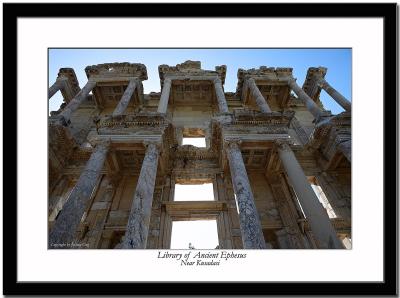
x: 190, y: 68
x: 124, y: 69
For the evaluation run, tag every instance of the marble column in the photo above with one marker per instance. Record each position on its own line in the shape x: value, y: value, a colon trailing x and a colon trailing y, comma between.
x: 339, y: 98
x: 250, y: 225
x: 74, y: 104
x: 137, y: 228
x: 126, y: 98
x: 260, y: 100
x: 65, y: 227
x: 310, y: 104
x: 58, y: 85
x: 316, y: 215
x: 222, y: 105
x: 163, y: 105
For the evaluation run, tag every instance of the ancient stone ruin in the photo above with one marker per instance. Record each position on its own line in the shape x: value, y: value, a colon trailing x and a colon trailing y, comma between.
x: 279, y: 163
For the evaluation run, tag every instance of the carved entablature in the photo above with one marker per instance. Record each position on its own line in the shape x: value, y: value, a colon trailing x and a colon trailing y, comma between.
x: 310, y: 85
x: 331, y: 139
x: 263, y: 73
x: 113, y: 70
x: 192, y: 152
x: 190, y: 69
x: 61, y: 145
x: 72, y: 88
x: 249, y: 116
x: 139, y: 119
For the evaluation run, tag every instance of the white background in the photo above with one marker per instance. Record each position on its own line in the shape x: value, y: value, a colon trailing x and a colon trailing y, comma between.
x: 362, y: 263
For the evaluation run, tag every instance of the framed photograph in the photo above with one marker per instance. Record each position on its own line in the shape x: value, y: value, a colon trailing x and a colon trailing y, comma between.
x: 200, y: 149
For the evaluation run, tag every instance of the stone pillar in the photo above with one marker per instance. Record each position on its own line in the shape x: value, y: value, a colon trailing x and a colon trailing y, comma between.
x: 68, y: 221
x: 260, y: 100
x: 250, y: 225
x: 125, y: 99
x: 339, y: 98
x: 310, y: 104
x: 316, y: 215
x: 58, y: 85
x: 75, y: 102
x: 139, y: 218
x: 222, y: 105
x: 163, y: 105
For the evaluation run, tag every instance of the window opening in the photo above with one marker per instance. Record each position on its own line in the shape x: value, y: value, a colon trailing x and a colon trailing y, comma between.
x: 194, y: 192
x: 196, y: 234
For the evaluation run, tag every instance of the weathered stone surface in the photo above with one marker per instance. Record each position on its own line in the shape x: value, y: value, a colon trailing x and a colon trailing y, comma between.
x: 58, y: 85
x: 339, y: 98
x: 163, y: 105
x: 259, y: 98
x: 250, y: 226
x: 137, y: 229
x: 67, y: 222
x: 223, y: 107
x: 65, y: 115
x: 124, y: 102
x: 310, y: 104
x: 316, y: 215
x: 140, y: 203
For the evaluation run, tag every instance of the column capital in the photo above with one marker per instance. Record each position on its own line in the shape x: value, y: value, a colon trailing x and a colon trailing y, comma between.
x: 233, y: 143
x: 283, y: 145
x: 168, y: 80
x: 216, y: 80
x: 154, y: 144
x: 101, y: 143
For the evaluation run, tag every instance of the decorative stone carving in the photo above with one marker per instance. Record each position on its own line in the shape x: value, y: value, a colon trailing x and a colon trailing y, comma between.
x: 123, y: 69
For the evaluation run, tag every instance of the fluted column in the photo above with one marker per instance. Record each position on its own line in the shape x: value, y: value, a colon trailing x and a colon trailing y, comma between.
x: 163, y: 105
x: 222, y: 105
x: 125, y: 99
x: 310, y: 104
x: 260, y: 100
x: 316, y: 215
x: 137, y: 228
x: 74, y: 104
x: 58, y: 85
x: 250, y: 225
x: 64, y: 229
x: 339, y: 98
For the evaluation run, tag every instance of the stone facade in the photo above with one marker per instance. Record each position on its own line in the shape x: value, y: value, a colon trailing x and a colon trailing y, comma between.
x: 116, y: 155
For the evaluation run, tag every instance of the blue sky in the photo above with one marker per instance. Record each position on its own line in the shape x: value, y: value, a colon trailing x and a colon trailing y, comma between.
x: 338, y: 62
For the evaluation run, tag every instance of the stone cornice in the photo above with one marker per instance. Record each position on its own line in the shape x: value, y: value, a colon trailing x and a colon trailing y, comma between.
x: 140, y: 119
x: 69, y: 73
x: 310, y: 85
x: 262, y: 73
x: 190, y: 69
x: 124, y: 69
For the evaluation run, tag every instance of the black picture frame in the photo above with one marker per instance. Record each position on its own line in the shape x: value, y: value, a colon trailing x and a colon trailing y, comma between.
x: 13, y: 11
